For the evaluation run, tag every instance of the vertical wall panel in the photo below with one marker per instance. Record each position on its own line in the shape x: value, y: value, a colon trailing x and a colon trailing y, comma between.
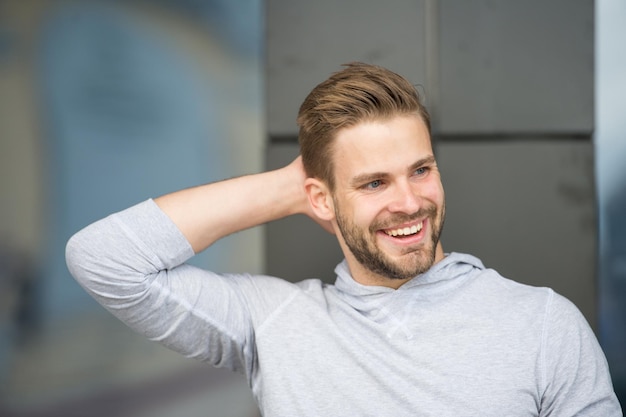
x: 526, y: 208
x: 610, y: 141
x: 516, y: 66
x: 308, y: 40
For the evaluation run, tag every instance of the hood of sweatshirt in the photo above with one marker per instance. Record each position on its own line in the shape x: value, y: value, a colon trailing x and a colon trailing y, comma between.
x: 383, y: 303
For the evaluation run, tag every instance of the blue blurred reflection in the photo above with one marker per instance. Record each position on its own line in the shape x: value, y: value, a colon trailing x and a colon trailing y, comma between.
x: 130, y: 100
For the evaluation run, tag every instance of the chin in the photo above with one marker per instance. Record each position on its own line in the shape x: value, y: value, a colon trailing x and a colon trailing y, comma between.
x: 416, y: 267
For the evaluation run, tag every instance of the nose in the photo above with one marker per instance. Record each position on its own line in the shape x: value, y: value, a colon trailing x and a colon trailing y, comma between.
x: 405, y: 198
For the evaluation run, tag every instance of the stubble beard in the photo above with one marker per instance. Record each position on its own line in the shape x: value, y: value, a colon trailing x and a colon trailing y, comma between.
x: 362, y: 244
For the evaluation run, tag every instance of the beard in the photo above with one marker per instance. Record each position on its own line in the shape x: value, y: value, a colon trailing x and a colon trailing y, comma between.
x: 362, y: 244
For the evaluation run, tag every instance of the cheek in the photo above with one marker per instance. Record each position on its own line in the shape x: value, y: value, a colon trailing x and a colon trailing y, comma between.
x: 363, y: 218
x: 434, y: 192
x: 439, y: 197
x: 364, y: 212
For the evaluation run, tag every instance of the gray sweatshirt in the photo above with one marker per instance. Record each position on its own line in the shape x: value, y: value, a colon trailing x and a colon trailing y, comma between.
x: 458, y: 340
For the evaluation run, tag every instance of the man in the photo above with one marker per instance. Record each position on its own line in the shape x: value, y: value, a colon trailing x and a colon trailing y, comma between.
x: 406, y: 330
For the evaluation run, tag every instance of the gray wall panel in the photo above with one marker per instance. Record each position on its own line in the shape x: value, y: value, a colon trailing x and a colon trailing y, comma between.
x: 527, y: 209
x: 308, y: 40
x: 516, y: 66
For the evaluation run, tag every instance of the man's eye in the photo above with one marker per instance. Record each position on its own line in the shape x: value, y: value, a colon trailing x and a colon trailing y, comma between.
x: 421, y: 171
x: 374, y: 184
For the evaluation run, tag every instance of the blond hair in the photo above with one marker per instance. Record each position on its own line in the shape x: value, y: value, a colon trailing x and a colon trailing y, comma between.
x: 360, y: 92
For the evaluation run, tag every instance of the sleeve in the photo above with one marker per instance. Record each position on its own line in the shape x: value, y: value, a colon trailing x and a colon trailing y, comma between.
x: 576, y: 379
x: 132, y: 263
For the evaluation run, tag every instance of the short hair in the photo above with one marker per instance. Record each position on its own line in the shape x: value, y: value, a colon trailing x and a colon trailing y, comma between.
x: 358, y: 93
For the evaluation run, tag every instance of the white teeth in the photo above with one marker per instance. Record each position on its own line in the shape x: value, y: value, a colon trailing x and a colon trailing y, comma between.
x: 406, y: 231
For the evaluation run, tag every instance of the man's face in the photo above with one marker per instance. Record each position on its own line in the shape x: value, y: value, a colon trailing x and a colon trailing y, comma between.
x: 388, y: 200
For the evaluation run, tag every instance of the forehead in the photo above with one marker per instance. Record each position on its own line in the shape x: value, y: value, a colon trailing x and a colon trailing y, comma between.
x: 381, y: 146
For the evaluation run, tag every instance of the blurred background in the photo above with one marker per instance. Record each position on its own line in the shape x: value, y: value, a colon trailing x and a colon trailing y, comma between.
x: 106, y: 103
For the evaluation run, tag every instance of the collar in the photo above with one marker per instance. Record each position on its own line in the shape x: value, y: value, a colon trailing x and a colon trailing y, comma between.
x: 447, y: 274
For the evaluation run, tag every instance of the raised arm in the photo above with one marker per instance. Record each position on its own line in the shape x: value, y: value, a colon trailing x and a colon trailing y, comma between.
x: 133, y: 263
x: 209, y: 212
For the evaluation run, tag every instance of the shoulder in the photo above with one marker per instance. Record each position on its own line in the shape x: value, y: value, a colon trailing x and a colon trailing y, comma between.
x: 554, y: 305
x: 557, y: 318
x: 514, y: 294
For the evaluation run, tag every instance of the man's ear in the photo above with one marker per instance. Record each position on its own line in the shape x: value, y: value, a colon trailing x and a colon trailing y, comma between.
x: 320, y: 198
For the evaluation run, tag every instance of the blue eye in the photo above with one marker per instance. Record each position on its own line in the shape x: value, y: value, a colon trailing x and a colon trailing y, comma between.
x: 374, y: 184
x: 421, y: 171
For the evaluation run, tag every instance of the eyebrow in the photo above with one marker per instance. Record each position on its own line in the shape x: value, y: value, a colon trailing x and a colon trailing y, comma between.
x: 373, y: 176
x: 428, y: 160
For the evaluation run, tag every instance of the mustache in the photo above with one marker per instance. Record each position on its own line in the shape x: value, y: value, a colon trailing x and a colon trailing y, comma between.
x: 399, y: 218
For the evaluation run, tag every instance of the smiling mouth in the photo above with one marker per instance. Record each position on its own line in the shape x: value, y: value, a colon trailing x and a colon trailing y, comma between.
x: 405, y: 231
